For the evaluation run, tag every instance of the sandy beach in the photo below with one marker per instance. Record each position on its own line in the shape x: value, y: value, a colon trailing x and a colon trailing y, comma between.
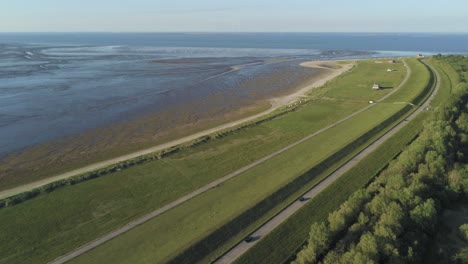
x: 61, y: 157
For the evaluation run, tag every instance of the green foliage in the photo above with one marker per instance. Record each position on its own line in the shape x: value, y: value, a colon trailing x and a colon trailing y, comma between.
x: 319, y: 239
x: 425, y: 215
x: 464, y: 231
x: 341, y: 218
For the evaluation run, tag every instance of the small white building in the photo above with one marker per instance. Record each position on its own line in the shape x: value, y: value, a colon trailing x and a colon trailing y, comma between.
x: 376, y: 86
x: 390, y: 70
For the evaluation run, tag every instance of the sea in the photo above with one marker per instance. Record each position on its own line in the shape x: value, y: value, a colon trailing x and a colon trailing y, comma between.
x: 54, y: 85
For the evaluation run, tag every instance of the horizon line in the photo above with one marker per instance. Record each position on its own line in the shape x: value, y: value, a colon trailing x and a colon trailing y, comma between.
x: 237, y: 32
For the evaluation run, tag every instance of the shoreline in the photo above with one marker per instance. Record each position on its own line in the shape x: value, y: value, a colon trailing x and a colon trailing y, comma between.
x: 275, y: 104
x: 281, y: 101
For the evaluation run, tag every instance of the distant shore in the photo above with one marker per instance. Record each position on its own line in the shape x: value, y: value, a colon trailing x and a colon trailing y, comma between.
x: 62, y: 157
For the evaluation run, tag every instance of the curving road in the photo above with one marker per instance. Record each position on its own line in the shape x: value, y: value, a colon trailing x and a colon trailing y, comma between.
x: 274, y: 222
x: 87, y: 247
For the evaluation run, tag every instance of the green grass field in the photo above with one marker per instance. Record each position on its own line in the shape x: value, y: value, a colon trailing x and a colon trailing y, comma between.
x: 420, y: 77
x: 246, y: 189
x: 204, y: 213
x: 449, y: 78
x: 283, y: 242
x: 55, y: 223
x: 279, y: 246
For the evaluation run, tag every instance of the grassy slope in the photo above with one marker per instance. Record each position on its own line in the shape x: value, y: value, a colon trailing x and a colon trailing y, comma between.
x: 195, y: 221
x: 71, y: 216
x: 449, y: 78
x: 279, y: 246
x: 206, y: 212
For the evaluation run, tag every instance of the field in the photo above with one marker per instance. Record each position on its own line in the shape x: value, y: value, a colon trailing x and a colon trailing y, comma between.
x: 291, y: 235
x: 74, y: 215
x: 282, y: 243
x: 246, y: 189
x: 232, y: 198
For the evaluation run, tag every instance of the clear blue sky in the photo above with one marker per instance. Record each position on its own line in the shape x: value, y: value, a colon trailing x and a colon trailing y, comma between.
x: 234, y: 15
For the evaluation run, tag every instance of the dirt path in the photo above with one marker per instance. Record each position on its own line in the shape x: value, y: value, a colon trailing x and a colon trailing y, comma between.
x: 276, y: 104
x: 87, y: 247
x: 274, y: 222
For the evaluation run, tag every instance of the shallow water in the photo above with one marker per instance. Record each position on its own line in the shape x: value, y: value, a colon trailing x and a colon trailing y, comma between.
x: 58, y: 84
x: 48, y: 92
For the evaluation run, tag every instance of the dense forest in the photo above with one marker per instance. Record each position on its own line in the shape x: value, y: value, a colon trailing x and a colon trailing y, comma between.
x: 398, y: 216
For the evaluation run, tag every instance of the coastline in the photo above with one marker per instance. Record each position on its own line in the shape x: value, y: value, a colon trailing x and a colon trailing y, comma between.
x: 275, y: 104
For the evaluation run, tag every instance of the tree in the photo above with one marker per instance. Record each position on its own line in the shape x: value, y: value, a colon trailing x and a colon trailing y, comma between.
x: 425, y: 215
x: 318, y: 242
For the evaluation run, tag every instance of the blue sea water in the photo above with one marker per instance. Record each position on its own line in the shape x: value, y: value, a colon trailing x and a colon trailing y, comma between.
x: 58, y: 84
x: 415, y: 42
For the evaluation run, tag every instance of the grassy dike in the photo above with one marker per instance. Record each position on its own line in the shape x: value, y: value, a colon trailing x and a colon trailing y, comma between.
x: 53, y: 224
x: 281, y: 245
x: 289, y: 237
x: 231, y: 204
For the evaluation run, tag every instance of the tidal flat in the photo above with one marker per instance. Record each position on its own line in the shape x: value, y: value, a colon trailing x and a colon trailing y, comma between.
x: 67, y: 106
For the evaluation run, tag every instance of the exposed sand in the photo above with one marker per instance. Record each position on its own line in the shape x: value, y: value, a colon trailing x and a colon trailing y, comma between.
x: 331, y: 70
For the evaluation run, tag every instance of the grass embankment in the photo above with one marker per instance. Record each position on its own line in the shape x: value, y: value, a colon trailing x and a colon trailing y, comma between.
x: 280, y: 245
x: 209, y: 211
x: 53, y: 224
x: 203, y: 215
x: 448, y: 79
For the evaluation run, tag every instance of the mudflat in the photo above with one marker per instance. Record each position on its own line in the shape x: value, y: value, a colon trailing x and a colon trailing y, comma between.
x: 172, y: 126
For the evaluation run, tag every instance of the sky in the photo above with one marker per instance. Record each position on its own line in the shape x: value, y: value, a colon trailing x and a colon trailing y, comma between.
x: 233, y: 16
